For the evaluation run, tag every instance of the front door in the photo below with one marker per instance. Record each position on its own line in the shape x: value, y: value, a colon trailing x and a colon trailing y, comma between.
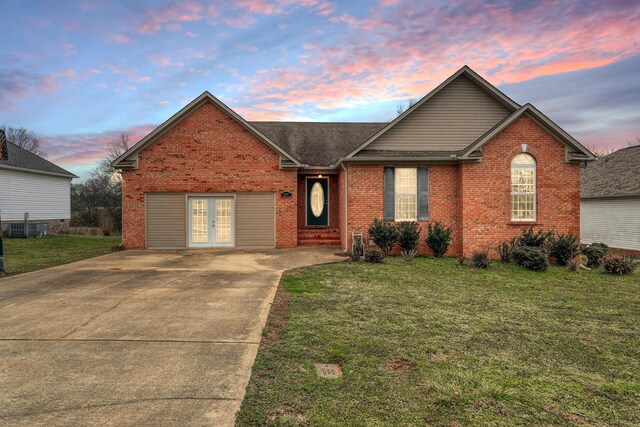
x: 317, y: 201
x: 210, y: 222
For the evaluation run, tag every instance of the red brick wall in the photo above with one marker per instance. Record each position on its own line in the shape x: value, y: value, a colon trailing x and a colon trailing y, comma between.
x: 366, y: 202
x: 474, y: 198
x: 208, y: 152
x: 486, y: 217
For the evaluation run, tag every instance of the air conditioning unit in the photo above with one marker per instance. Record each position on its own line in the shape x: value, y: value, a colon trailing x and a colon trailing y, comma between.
x: 23, y: 230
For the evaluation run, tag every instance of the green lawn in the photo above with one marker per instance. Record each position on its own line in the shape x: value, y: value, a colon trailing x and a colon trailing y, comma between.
x: 436, y: 343
x: 23, y: 255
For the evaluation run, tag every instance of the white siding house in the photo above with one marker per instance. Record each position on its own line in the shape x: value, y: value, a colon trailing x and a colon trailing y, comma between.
x: 43, y: 197
x: 610, y: 200
x: 35, y: 189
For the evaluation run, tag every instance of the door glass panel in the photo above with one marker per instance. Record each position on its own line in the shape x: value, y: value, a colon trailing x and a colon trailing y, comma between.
x: 317, y: 199
x: 199, y: 223
x: 223, y: 221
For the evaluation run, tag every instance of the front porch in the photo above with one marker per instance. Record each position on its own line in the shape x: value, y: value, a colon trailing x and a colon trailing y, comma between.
x: 318, y: 209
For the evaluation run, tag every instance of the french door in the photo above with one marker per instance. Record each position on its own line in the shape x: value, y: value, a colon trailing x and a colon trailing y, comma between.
x: 211, y: 222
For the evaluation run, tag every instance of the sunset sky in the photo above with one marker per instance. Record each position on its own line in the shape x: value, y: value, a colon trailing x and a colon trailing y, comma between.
x: 79, y: 73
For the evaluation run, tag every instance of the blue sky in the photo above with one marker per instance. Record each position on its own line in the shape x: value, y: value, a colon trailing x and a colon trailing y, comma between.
x: 79, y: 73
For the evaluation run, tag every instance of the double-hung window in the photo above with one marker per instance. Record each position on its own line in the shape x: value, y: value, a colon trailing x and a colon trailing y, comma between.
x: 523, y: 188
x: 406, y: 194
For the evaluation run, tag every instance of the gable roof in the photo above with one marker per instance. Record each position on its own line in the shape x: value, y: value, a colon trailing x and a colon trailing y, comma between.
x: 615, y: 175
x: 465, y: 71
x: 21, y: 159
x: 318, y: 143
x: 326, y: 144
x: 578, y: 153
x: 127, y: 159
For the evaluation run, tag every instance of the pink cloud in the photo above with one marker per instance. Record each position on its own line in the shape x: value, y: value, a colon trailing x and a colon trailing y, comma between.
x: 239, y: 21
x: 122, y: 38
x: 259, y: 6
x: 410, y: 48
x: 130, y: 74
x: 170, y: 15
x: 78, y: 149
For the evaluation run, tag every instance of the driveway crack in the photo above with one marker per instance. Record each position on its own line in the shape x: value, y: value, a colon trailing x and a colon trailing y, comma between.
x: 114, y: 306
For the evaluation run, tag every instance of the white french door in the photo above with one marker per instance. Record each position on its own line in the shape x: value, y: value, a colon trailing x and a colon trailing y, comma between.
x: 210, y: 222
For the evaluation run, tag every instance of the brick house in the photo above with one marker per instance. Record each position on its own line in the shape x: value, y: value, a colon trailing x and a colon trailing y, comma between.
x: 465, y: 154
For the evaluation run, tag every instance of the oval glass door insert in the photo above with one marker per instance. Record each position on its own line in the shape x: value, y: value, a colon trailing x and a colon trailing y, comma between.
x: 317, y: 199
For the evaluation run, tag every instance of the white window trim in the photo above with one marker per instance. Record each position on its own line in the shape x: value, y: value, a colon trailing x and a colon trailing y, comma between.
x: 396, y: 194
x: 535, y: 189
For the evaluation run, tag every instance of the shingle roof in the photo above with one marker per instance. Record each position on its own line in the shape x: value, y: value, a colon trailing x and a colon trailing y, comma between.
x: 318, y: 143
x: 617, y: 174
x: 23, y: 159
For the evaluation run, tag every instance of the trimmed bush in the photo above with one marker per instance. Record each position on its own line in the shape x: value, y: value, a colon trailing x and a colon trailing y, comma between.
x: 530, y: 257
x: 504, y: 250
x: 595, y: 253
x: 384, y: 234
x: 619, y: 265
x: 438, y: 238
x: 373, y: 255
x: 536, y: 239
x: 408, y: 238
x: 564, y: 248
x: 481, y: 260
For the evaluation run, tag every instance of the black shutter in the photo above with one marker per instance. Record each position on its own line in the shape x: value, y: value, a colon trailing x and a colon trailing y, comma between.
x: 423, y: 194
x: 4, y: 152
x: 389, y: 194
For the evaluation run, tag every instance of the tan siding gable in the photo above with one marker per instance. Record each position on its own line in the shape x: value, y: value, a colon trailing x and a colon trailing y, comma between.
x: 454, y: 118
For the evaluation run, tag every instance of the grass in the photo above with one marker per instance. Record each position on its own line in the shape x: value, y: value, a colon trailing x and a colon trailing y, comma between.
x: 23, y: 255
x: 435, y: 343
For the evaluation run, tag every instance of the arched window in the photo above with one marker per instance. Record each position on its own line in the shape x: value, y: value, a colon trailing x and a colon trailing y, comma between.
x: 523, y: 188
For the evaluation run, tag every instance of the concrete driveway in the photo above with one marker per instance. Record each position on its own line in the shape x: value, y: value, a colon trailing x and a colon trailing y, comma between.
x: 137, y: 337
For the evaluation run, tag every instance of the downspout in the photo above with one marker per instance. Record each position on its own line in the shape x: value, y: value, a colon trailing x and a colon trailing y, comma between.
x: 346, y: 208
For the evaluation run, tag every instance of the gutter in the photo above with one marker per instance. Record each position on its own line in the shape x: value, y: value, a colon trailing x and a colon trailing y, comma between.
x: 39, y: 172
x: 346, y: 209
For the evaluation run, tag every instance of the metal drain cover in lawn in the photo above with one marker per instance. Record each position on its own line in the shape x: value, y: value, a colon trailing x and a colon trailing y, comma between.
x: 328, y: 370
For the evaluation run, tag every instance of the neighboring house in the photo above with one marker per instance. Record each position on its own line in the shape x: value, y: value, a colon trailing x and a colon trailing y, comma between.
x: 610, y: 201
x: 34, y: 189
x: 464, y: 154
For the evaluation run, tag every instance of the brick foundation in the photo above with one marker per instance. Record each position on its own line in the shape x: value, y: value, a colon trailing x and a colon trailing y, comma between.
x: 56, y: 227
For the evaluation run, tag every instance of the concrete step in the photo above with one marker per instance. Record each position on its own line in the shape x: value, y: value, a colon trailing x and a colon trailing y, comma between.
x: 316, y: 242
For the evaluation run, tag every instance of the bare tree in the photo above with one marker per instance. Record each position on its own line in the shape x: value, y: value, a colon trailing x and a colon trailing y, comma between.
x: 98, y: 201
x: 24, y: 138
x: 635, y: 143
x: 116, y: 148
x: 600, y: 151
x: 401, y: 108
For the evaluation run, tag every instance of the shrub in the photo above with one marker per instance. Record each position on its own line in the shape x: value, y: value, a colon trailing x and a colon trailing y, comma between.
x: 384, y: 234
x: 564, y: 248
x: 530, y: 257
x: 536, y: 239
x: 438, y: 238
x: 408, y: 238
x: 595, y: 252
x: 373, y: 256
x: 481, y: 260
x: 619, y: 265
x: 504, y: 250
